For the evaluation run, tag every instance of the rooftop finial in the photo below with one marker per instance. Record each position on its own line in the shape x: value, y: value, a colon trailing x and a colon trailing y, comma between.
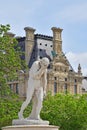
x: 79, y: 69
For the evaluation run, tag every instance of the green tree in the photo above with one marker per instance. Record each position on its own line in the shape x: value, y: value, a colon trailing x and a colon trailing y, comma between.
x: 9, y: 108
x: 10, y: 61
x: 69, y: 112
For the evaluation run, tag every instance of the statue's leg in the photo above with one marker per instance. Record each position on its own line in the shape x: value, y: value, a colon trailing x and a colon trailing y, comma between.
x: 30, y: 92
x: 34, y: 106
x: 39, y: 95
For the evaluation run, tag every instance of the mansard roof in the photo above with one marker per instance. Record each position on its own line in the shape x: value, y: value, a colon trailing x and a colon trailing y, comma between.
x: 45, y: 37
x: 21, y: 43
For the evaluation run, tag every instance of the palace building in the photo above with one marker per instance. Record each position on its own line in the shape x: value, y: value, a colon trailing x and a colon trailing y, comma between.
x: 61, y: 77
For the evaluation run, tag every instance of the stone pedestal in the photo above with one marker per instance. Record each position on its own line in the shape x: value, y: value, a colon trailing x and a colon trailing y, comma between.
x: 29, y: 122
x: 30, y: 127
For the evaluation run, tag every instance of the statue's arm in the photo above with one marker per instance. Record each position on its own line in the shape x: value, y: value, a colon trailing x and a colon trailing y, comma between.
x: 34, y: 72
x: 38, y: 73
x: 45, y: 82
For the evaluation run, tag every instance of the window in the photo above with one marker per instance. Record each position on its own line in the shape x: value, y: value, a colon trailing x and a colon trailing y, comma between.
x: 75, y: 80
x: 55, y: 87
x: 51, y: 45
x: 65, y: 88
x: 17, y: 91
x: 55, y: 78
x: 40, y: 57
x: 11, y: 86
x: 40, y: 49
x: 40, y: 43
x: 65, y: 70
x: 55, y: 69
x: 65, y: 79
x: 45, y: 44
x: 75, y: 89
x: 33, y: 50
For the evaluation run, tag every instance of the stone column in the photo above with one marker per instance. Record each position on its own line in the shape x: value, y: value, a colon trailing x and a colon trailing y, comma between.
x: 57, y: 40
x: 29, y: 43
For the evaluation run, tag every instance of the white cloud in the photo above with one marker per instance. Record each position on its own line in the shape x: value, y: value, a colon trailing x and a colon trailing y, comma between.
x: 76, y: 58
x: 74, y: 13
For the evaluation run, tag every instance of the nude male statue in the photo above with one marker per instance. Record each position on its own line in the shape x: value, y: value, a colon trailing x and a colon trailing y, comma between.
x: 36, y: 88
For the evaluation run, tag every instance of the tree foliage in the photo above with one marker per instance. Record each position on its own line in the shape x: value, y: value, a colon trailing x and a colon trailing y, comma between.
x: 9, y: 108
x: 69, y: 112
x: 10, y: 61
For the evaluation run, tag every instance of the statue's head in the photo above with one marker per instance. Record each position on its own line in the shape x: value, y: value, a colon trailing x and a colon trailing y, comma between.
x: 44, y: 62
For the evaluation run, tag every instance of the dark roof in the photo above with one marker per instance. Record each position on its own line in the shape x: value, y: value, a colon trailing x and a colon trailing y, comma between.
x: 19, y: 39
x: 40, y: 36
x: 45, y: 37
x: 34, y: 54
x: 21, y: 44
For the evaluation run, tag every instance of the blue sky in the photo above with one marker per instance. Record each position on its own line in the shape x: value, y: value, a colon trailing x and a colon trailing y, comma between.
x: 69, y: 15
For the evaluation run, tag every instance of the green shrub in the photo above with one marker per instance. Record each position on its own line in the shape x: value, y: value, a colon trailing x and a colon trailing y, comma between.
x: 9, y: 110
x: 69, y: 112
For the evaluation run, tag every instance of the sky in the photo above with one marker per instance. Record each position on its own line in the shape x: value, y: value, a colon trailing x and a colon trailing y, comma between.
x: 70, y: 15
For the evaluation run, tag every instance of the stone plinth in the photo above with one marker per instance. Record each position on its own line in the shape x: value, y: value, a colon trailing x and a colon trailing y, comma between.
x: 29, y: 122
x: 30, y: 127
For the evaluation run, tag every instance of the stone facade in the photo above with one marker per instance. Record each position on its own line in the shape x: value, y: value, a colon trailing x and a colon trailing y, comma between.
x: 61, y: 76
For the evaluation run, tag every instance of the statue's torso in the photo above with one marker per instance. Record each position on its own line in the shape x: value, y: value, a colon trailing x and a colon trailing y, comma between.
x: 32, y: 81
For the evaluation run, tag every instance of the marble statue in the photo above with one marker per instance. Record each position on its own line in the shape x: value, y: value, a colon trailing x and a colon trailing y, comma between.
x: 36, y: 89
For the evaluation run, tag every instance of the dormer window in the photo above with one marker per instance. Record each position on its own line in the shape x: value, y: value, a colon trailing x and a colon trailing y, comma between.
x: 40, y: 49
x: 40, y: 57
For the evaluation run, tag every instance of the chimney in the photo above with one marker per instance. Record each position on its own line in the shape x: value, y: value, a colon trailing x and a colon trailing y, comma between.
x: 10, y: 34
x: 29, y: 43
x: 57, y: 40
